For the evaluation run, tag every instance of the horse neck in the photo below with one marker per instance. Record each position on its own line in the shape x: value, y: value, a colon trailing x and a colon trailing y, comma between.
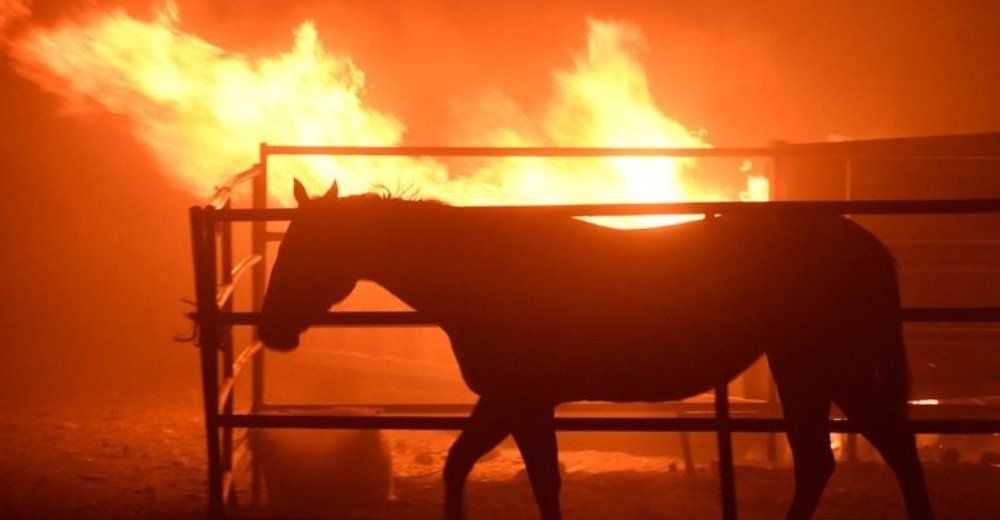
x: 416, y: 251
x: 433, y: 255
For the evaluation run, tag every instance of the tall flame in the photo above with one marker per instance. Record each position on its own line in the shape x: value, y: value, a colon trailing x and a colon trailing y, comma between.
x: 202, y: 110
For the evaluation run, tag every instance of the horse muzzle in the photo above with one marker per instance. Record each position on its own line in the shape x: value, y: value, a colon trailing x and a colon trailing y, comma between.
x: 278, y: 338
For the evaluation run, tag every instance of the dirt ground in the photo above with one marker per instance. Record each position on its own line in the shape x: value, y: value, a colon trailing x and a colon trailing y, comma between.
x: 140, y: 457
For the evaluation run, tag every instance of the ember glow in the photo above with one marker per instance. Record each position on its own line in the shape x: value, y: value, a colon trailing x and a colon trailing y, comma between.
x: 202, y: 110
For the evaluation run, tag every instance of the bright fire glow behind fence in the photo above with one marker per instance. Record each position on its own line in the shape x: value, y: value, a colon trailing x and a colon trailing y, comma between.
x: 203, y: 109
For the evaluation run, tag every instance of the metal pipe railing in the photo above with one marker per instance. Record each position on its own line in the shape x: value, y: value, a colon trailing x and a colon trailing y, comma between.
x: 615, y: 424
x: 854, y: 207
x: 228, y: 385
x: 224, y: 193
x: 543, y: 151
x: 416, y: 319
x: 758, y: 407
x: 225, y: 292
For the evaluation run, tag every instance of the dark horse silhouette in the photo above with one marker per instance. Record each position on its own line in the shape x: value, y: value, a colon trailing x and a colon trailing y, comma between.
x: 545, y: 310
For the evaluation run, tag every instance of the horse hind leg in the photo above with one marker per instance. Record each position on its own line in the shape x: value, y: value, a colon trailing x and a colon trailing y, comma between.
x: 486, y: 428
x: 884, y: 424
x: 534, y: 433
x: 805, y: 403
x: 873, y: 391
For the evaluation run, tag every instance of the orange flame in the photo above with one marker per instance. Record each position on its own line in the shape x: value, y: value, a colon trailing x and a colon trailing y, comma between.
x: 202, y: 110
x: 12, y: 12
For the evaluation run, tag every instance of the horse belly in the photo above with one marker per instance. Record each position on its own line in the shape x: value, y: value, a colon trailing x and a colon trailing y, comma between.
x: 631, y: 372
x: 619, y: 367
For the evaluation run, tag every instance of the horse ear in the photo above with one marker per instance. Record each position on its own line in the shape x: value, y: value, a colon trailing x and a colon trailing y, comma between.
x: 333, y: 192
x: 300, y: 192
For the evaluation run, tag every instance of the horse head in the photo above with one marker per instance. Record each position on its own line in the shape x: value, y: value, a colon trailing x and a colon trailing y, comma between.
x: 313, y: 270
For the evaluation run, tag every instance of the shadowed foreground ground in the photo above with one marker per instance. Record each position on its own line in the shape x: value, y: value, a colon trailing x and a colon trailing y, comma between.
x: 135, y: 459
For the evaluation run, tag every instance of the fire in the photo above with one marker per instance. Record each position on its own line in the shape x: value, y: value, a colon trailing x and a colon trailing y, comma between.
x: 758, y: 186
x: 202, y: 110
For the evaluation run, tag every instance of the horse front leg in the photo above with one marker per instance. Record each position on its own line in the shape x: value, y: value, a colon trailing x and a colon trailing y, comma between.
x: 534, y: 432
x: 486, y: 428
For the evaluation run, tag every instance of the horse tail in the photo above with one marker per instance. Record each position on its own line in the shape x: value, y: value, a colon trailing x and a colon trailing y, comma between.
x: 893, y: 370
x: 890, y: 360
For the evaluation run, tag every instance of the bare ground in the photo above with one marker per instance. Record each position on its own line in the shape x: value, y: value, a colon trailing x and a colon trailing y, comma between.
x: 144, y: 458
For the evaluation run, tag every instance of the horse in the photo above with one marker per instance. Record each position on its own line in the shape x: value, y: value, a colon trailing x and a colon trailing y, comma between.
x: 543, y: 310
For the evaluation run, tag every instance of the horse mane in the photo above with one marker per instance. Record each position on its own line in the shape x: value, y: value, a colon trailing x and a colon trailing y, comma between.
x: 409, y: 194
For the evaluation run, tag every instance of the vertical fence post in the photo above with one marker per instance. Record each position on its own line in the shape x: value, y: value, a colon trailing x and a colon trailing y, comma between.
x: 772, y: 438
x: 778, y: 183
x: 849, y: 446
x: 203, y: 245
x: 775, y: 193
x: 226, y: 340
x: 848, y: 179
x: 727, y: 479
x: 686, y: 448
x: 258, y: 246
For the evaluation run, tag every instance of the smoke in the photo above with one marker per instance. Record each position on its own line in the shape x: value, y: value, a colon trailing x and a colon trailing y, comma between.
x: 13, y: 11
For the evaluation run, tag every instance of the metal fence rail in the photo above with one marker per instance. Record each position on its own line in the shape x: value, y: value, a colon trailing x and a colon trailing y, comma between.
x: 217, y: 275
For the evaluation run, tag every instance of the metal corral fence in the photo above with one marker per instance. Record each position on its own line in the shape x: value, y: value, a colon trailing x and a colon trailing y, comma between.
x: 217, y: 273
